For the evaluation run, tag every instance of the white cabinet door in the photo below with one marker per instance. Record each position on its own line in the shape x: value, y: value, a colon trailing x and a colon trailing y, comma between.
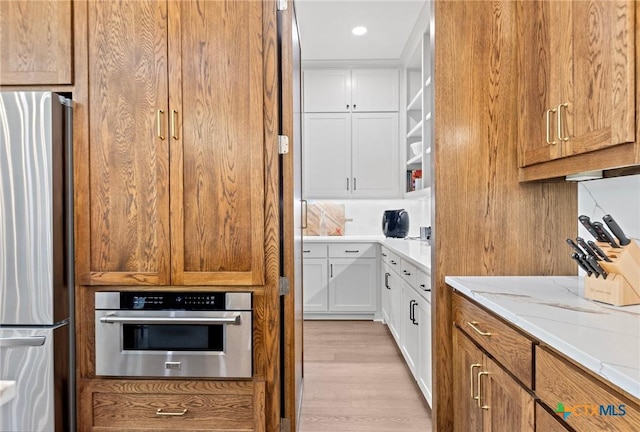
x: 327, y: 90
x: 315, y: 287
x: 327, y: 155
x: 352, y: 285
x: 423, y: 373
x: 385, y: 293
x: 374, y: 90
x: 396, y: 326
x: 410, y: 322
x: 375, y: 155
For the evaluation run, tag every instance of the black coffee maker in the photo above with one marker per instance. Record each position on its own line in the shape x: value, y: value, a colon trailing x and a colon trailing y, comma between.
x: 395, y: 223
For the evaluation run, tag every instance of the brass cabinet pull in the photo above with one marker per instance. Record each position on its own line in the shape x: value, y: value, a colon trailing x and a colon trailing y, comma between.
x: 171, y: 414
x: 484, y: 407
x: 563, y: 105
x: 548, y: 137
x: 473, y: 325
x: 174, y: 132
x: 473, y: 366
x: 159, y: 116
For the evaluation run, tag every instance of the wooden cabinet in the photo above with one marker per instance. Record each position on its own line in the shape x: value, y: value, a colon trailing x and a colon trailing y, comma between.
x: 346, y: 90
x: 173, y: 405
x: 547, y: 422
x: 576, y: 80
x: 351, y: 155
x: 36, y: 42
x: 487, y: 398
x: 343, y: 283
x: 172, y: 162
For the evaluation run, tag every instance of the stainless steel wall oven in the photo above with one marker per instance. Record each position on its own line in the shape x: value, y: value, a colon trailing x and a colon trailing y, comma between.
x: 174, y: 334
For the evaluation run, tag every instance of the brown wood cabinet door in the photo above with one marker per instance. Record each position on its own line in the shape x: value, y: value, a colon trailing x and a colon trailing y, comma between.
x: 35, y: 42
x: 467, y: 363
x: 217, y: 142
x: 126, y: 225
x: 601, y: 104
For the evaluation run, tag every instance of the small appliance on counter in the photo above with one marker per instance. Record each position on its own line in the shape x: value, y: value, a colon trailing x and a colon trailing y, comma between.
x: 395, y: 223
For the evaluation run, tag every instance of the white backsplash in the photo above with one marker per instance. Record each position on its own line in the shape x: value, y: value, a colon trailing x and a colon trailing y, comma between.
x: 618, y: 196
x: 364, y: 217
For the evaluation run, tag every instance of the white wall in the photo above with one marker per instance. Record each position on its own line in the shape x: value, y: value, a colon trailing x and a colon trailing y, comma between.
x: 366, y: 215
x: 619, y: 197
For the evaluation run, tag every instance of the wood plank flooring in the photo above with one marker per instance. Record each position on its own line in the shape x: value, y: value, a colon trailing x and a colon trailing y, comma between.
x: 355, y: 379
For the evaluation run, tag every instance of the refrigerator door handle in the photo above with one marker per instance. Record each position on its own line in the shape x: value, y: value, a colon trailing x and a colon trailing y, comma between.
x: 22, y: 341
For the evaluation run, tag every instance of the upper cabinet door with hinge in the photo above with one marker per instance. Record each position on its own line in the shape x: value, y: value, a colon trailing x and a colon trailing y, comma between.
x: 327, y: 90
x: 122, y: 170
x: 35, y: 42
x: 219, y: 52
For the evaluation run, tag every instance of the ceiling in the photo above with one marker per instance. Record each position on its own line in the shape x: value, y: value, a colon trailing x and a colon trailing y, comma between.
x: 325, y: 28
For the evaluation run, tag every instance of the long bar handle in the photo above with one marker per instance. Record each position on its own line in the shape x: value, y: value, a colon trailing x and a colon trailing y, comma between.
x: 548, y: 137
x: 159, y: 116
x: 172, y: 414
x: 386, y: 280
x: 563, y: 105
x: 13, y: 342
x: 473, y: 366
x: 113, y: 319
x: 305, y: 217
x: 484, y: 407
x: 473, y: 325
x: 174, y: 131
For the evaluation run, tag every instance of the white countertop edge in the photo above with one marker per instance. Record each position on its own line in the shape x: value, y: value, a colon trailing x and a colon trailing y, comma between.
x: 7, y: 391
x: 586, y: 360
x: 378, y: 239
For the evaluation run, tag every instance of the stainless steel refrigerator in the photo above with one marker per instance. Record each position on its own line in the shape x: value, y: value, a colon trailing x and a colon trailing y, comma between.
x: 36, y: 271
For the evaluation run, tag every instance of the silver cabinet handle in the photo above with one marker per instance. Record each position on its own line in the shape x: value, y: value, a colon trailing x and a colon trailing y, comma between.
x: 406, y: 272
x: 113, y: 319
x: 347, y: 183
x: 386, y: 280
x: 354, y: 179
x: 22, y: 341
x: 306, y: 251
x: 330, y: 270
x: 351, y: 251
x: 305, y: 217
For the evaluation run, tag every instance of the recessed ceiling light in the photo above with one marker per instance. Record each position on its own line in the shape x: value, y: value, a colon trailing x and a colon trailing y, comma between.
x: 359, y: 31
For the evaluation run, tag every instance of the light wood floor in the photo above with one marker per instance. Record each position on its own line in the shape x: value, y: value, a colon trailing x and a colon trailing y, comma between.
x: 355, y: 379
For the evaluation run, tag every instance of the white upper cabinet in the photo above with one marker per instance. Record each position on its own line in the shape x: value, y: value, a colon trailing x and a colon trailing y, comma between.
x: 350, y: 90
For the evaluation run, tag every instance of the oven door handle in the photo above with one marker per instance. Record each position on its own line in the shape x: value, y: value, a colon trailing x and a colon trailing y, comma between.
x: 114, y: 319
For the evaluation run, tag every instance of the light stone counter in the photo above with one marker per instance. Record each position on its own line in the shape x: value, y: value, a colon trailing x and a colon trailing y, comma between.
x: 602, y: 338
x: 7, y: 391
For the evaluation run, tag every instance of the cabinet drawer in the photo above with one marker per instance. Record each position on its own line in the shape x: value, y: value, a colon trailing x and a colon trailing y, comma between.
x: 352, y: 250
x: 423, y: 284
x: 547, y: 422
x: 156, y: 405
x: 394, y: 262
x: 384, y: 254
x: 593, y: 405
x: 314, y: 250
x: 511, y: 348
x: 408, y: 272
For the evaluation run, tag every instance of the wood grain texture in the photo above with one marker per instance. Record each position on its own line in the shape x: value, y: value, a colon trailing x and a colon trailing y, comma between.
x: 559, y: 381
x: 36, y: 42
x: 218, y: 156
x: 507, y: 345
x: 485, y: 222
x: 357, y: 380
x: 290, y: 120
x: 125, y: 405
x: 128, y: 204
x: 548, y: 422
x: 468, y: 416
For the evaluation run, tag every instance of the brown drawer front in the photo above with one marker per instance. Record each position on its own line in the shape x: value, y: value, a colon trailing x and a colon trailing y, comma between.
x: 511, y: 348
x: 559, y: 382
x: 545, y: 422
x: 173, y: 411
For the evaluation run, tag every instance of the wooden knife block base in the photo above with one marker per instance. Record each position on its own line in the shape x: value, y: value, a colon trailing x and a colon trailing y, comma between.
x: 622, y: 286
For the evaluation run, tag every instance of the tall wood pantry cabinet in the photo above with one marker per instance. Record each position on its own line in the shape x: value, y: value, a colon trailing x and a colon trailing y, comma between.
x: 171, y: 162
x: 176, y: 189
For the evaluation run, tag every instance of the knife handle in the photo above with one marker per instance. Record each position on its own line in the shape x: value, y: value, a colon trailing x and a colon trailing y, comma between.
x: 575, y: 247
x: 587, y: 248
x: 599, y: 270
x: 599, y: 251
x: 616, y: 230
x: 582, y: 265
x: 604, y: 234
x: 586, y: 222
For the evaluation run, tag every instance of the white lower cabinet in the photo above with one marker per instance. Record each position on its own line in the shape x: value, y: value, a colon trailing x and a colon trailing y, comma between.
x: 423, y: 372
x: 343, y: 284
x: 385, y: 293
x: 410, y: 338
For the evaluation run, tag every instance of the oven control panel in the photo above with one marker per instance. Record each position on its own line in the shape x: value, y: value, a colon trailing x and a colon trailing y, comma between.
x: 172, y: 300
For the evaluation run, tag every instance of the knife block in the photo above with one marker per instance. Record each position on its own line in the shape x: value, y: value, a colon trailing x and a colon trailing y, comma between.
x: 622, y: 286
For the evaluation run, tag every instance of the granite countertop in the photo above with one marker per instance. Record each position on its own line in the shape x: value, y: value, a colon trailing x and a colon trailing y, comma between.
x: 7, y: 391
x: 602, y: 338
x: 416, y: 251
